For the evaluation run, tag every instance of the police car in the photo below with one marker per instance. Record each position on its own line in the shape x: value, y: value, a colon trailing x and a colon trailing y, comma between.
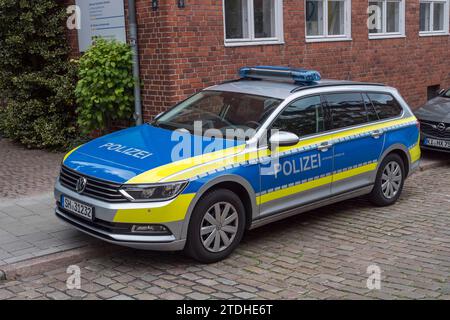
x: 237, y: 156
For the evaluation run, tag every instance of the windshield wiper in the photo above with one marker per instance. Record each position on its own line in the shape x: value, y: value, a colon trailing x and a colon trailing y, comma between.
x: 165, y: 125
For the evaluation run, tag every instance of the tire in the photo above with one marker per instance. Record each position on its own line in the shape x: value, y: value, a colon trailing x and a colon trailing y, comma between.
x: 205, y: 247
x: 389, y: 187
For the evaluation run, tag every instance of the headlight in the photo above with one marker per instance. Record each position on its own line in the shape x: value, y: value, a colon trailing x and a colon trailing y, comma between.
x: 153, y: 192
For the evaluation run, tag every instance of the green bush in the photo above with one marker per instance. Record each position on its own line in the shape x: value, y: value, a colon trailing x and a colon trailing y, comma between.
x: 105, y: 89
x: 37, y: 81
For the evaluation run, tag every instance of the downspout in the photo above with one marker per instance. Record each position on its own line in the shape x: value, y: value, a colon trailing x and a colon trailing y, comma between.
x: 136, y: 73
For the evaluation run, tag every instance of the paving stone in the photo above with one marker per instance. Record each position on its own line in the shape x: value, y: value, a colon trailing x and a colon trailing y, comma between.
x: 106, y: 294
x: 207, y: 282
x: 145, y: 296
x: 121, y: 297
x: 245, y: 295
x: 198, y: 296
x: 171, y: 296
x: 155, y: 290
x: 58, y: 295
x: 91, y: 287
x: 104, y: 281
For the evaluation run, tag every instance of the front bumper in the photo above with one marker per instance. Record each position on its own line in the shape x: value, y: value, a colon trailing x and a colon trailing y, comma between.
x: 103, y: 226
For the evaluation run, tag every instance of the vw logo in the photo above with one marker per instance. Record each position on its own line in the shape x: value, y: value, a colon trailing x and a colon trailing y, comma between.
x: 441, y: 126
x: 81, y: 185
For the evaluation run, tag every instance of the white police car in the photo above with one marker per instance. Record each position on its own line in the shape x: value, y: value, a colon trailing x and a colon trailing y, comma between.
x: 239, y: 155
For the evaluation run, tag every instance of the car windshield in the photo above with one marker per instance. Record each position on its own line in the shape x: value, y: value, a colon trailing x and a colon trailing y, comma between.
x: 447, y: 94
x: 219, y: 110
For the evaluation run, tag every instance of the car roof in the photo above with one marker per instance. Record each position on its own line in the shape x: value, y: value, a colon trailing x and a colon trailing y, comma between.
x: 277, y: 89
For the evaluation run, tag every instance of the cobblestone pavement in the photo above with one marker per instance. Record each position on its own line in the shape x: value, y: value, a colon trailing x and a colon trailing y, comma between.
x: 26, y: 172
x: 321, y: 254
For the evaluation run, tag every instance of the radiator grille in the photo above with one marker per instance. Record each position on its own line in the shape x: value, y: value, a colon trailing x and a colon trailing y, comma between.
x: 95, y: 188
x: 432, y: 129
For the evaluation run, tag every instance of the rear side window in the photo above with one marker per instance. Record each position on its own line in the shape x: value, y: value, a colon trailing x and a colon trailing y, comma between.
x: 371, y: 113
x: 303, y: 117
x: 347, y: 109
x: 385, y: 105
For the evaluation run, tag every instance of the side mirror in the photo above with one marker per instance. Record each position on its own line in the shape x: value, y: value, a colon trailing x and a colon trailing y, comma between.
x: 441, y: 92
x: 283, y: 139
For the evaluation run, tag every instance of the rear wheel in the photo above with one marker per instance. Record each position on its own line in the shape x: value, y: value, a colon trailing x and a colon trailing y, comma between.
x: 389, y: 182
x: 216, y: 226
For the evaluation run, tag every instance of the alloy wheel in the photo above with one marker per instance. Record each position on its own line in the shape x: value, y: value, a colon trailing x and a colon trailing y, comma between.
x: 391, y: 180
x: 219, y: 227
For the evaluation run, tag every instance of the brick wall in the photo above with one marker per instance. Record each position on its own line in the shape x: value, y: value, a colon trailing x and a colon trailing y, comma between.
x: 182, y: 51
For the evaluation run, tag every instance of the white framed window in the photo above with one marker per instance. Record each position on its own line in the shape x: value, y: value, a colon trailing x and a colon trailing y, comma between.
x: 328, y: 20
x: 386, y: 19
x: 253, y: 22
x: 434, y: 16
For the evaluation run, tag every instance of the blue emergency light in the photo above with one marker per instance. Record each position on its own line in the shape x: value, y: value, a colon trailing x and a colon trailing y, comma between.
x: 280, y: 73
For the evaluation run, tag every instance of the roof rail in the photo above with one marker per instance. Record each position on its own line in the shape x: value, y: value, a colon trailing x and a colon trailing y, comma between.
x: 336, y: 84
x: 239, y: 79
x: 231, y: 81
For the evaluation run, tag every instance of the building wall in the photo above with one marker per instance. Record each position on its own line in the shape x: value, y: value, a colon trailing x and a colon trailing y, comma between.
x: 182, y: 51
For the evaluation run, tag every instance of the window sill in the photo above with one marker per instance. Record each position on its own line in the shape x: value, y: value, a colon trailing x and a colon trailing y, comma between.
x: 386, y: 36
x: 252, y: 43
x: 433, y: 34
x: 327, y: 39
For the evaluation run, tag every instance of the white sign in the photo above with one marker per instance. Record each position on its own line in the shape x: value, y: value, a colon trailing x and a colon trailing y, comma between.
x: 101, y: 18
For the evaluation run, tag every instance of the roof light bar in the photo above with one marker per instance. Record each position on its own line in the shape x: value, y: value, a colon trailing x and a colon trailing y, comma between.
x: 280, y: 73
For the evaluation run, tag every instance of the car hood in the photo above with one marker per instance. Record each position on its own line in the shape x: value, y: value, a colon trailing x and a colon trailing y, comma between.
x: 121, y: 156
x: 437, y: 110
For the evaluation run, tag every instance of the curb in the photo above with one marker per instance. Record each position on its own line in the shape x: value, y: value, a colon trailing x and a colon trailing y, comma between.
x: 433, y: 165
x: 35, y: 266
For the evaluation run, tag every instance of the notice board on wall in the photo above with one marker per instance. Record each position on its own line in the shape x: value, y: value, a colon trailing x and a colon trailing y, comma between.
x: 101, y: 18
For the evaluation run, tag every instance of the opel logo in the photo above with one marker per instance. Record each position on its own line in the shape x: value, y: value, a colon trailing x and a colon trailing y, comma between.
x: 441, y: 126
x: 81, y: 185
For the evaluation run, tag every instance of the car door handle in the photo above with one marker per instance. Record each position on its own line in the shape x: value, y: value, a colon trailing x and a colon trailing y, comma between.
x: 376, y: 134
x: 324, y: 146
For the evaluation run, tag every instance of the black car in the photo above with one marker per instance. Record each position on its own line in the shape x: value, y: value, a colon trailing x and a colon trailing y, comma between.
x: 434, y: 119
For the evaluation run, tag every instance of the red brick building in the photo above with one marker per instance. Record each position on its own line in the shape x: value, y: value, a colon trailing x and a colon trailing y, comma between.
x: 185, y: 49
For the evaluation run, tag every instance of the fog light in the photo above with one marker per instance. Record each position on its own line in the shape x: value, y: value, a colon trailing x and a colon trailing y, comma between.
x: 151, y: 228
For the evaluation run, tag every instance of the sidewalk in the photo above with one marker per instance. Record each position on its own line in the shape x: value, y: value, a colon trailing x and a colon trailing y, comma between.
x: 29, y: 228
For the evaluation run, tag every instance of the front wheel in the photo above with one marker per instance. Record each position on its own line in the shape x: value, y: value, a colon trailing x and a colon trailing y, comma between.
x: 389, y: 182
x: 216, y: 226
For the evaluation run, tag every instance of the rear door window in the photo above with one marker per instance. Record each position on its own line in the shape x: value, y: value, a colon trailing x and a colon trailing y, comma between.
x: 385, y: 105
x: 347, y: 109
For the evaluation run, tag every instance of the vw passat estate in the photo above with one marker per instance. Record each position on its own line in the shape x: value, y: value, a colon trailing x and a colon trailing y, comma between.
x: 239, y: 155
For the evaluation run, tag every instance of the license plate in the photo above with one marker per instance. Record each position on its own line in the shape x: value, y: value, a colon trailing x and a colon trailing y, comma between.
x: 437, y: 143
x: 77, y: 208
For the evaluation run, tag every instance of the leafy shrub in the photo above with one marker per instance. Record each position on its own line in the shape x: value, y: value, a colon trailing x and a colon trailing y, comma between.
x: 105, y: 90
x: 37, y: 81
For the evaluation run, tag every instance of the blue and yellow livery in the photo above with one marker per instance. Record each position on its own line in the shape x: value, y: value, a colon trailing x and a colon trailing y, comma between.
x: 237, y: 156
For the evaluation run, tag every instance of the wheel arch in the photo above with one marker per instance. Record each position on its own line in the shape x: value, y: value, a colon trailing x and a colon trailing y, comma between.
x: 240, y: 186
x: 402, y: 151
